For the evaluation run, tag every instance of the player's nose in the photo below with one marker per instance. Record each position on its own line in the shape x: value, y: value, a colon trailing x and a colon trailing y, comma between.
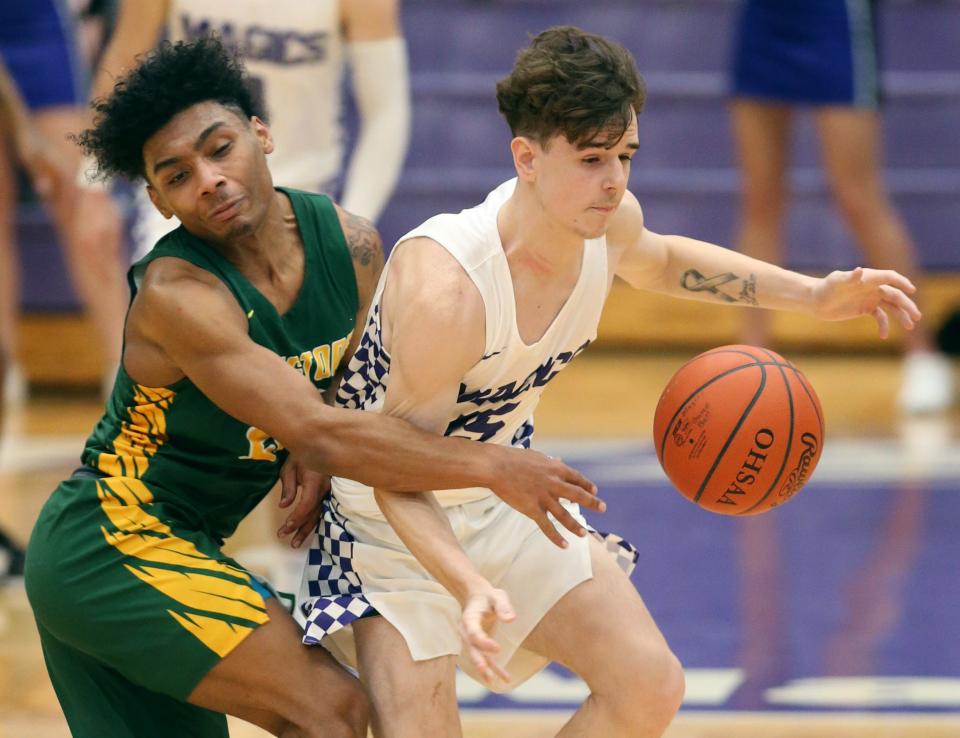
x: 210, y: 178
x: 616, y: 177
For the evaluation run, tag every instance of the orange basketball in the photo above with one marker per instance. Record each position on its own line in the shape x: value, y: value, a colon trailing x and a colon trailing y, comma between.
x: 738, y: 430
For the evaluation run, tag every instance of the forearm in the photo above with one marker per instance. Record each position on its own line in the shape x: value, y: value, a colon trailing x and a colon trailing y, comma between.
x: 138, y: 27
x: 383, y: 451
x: 381, y: 87
x: 702, y: 271
x: 422, y: 525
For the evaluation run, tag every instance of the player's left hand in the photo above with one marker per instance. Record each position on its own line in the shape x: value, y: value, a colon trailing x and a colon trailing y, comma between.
x: 878, y: 293
x: 481, y: 613
x: 308, y: 488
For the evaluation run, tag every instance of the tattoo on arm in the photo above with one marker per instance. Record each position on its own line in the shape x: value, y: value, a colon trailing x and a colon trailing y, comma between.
x: 694, y: 281
x: 366, y: 249
x: 748, y: 291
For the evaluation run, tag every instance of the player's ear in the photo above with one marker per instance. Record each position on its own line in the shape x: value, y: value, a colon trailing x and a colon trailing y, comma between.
x: 262, y: 132
x: 524, y: 158
x: 158, y: 202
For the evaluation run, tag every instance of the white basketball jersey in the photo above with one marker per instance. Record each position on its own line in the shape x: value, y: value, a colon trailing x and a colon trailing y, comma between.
x: 294, y: 54
x: 498, y: 395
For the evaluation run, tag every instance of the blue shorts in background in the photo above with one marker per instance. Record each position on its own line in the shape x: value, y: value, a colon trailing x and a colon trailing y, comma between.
x: 812, y: 52
x: 37, y: 46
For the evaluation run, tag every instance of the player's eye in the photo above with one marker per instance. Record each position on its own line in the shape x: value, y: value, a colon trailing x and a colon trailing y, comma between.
x: 221, y: 150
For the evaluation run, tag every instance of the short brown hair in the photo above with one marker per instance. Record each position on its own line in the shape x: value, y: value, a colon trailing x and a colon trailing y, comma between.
x: 571, y: 82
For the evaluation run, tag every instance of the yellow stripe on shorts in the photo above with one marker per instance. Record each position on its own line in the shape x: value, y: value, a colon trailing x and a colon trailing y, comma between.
x: 141, y: 436
x: 209, y: 588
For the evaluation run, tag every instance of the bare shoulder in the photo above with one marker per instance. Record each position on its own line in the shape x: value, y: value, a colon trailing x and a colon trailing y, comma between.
x: 426, y: 272
x: 179, y: 312
x: 626, y: 225
x: 370, y: 20
x: 431, y: 301
x: 363, y: 241
x: 434, y: 315
x: 165, y: 276
x: 174, y: 293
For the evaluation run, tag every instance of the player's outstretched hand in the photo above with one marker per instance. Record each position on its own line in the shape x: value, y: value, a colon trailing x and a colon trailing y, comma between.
x: 534, y: 484
x: 878, y: 293
x: 296, y: 481
x: 481, y: 613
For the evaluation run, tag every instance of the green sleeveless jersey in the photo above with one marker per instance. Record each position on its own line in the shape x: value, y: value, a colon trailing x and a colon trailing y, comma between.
x: 205, y: 467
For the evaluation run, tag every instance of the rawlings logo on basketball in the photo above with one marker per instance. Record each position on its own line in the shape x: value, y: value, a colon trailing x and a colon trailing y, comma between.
x: 680, y: 432
x: 798, y: 476
x: 750, y: 468
x: 685, y: 426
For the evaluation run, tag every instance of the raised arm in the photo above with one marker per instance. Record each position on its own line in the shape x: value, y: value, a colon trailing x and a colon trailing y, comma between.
x: 377, y: 57
x: 692, y: 269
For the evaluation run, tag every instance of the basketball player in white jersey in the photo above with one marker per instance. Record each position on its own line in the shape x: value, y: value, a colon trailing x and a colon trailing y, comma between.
x: 296, y: 52
x: 473, y: 315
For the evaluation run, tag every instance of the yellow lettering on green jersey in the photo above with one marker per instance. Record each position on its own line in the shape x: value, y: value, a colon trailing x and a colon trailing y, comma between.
x: 306, y: 361
x: 263, y: 447
x: 326, y: 357
x: 322, y: 355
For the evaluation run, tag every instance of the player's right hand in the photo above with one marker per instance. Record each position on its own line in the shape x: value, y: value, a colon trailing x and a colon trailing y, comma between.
x: 534, y: 484
x: 481, y: 613
x: 297, y: 481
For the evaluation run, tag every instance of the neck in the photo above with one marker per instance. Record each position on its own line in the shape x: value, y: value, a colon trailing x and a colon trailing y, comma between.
x: 532, y: 239
x: 265, y: 245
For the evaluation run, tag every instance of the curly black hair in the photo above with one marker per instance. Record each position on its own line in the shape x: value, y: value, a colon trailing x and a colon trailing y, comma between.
x: 571, y: 82
x: 166, y: 81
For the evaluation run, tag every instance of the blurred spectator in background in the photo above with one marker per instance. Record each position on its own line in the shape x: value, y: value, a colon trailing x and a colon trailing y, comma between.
x: 94, y: 21
x: 42, y: 106
x: 823, y: 54
x: 296, y: 53
x: 51, y: 180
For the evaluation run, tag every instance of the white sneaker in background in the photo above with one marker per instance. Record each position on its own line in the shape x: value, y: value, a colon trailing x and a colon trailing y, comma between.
x: 927, y: 383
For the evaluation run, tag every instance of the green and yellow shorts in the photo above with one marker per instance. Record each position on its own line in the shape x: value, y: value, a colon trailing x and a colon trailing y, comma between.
x: 133, y: 609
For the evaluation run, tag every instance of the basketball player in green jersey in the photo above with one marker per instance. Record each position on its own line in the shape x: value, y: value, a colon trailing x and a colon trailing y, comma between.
x: 239, y: 318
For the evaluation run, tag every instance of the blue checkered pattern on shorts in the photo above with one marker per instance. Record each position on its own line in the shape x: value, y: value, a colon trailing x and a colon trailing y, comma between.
x: 366, y: 376
x: 334, y: 593
x: 621, y: 549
